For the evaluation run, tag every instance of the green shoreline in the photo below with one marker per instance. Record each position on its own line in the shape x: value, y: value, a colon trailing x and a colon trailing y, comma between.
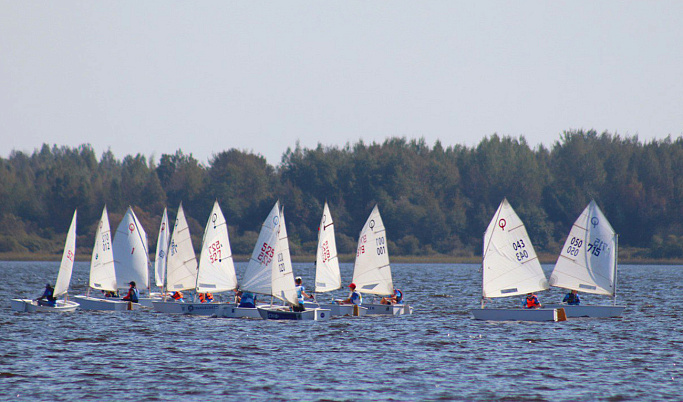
x: 415, y: 259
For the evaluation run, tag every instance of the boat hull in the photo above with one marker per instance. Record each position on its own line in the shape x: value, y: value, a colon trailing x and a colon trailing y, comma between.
x: 590, y: 311
x: 231, y: 310
x: 339, y: 309
x: 279, y: 313
x: 147, y: 301
x: 30, y: 306
x: 100, y: 304
x: 172, y: 307
x: 519, y: 314
x: 388, y: 309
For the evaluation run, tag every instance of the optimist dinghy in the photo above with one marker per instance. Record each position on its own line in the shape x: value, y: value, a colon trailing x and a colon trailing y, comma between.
x: 63, y: 280
x: 510, y: 267
x: 181, y: 269
x: 102, y: 272
x: 327, y: 274
x: 372, y: 271
x: 588, y: 263
x: 216, y: 272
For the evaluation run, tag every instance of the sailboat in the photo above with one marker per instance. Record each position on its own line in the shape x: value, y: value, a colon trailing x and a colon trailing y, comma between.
x: 282, y: 278
x: 372, y: 271
x: 588, y: 263
x: 510, y: 267
x: 63, y: 280
x: 258, y: 276
x: 181, y: 266
x: 162, y: 252
x: 130, y: 253
x: 327, y: 274
x: 102, y: 272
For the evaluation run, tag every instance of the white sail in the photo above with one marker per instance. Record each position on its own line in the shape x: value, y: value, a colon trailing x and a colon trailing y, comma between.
x: 182, y: 264
x: 283, y: 286
x: 371, y: 271
x: 130, y: 252
x: 258, y: 275
x: 327, y: 275
x: 587, y: 262
x: 510, y: 265
x: 216, y: 268
x: 67, y: 264
x: 162, y: 251
x: 102, y: 273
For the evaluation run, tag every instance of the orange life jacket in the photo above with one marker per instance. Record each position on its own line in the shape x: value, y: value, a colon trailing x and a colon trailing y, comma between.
x: 201, y: 298
x: 177, y: 295
x: 532, y: 302
x: 209, y: 297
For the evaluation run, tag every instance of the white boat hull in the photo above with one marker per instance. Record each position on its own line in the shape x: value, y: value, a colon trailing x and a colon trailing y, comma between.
x: 30, y: 306
x: 231, y: 310
x: 147, y: 301
x: 590, y: 311
x: 339, y: 309
x: 388, y: 309
x: 519, y: 314
x: 172, y: 307
x: 102, y: 304
x: 283, y: 313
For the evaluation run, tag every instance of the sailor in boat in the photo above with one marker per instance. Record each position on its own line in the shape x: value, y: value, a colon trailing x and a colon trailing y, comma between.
x: 209, y: 297
x: 531, y: 301
x: 202, y: 299
x: 47, y: 299
x: 354, y: 297
x: 300, y: 294
x: 246, y: 299
x: 132, y: 295
x: 572, y: 298
x: 178, y: 296
x: 396, y: 298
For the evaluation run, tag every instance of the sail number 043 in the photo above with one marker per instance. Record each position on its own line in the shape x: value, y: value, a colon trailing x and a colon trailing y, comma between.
x: 519, y: 247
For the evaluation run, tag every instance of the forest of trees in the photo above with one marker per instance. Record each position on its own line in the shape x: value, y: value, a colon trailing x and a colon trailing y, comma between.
x: 433, y: 199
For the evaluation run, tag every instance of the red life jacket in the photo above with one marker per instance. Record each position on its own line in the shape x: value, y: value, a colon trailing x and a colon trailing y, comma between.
x: 177, y: 295
x: 532, y: 302
x: 201, y: 298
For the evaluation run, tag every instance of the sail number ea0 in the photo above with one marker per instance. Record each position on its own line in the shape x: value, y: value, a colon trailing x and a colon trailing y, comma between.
x: 519, y: 246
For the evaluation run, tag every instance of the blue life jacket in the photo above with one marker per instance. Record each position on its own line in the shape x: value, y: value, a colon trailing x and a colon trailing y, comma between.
x: 356, y: 298
x: 299, y: 293
x: 399, y: 295
x: 572, y: 299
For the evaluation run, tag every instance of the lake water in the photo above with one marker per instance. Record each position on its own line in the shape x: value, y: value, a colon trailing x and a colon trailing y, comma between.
x: 438, y: 353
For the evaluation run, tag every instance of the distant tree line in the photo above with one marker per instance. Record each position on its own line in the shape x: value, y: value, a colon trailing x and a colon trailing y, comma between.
x: 433, y: 200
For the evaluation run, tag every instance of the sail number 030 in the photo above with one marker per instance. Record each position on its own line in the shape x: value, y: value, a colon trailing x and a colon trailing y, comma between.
x: 574, y: 246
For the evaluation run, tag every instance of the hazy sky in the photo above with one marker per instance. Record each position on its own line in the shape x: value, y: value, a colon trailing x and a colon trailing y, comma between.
x: 152, y: 77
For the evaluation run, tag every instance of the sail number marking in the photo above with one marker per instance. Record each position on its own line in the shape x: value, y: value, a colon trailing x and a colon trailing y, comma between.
x: 381, y: 247
x: 325, y: 251
x: 519, y: 246
x: 280, y: 262
x: 215, y: 251
x: 106, y: 245
x: 266, y: 255
x: 596, y: 247
x: 361, y: 245
x: 574, y: 246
